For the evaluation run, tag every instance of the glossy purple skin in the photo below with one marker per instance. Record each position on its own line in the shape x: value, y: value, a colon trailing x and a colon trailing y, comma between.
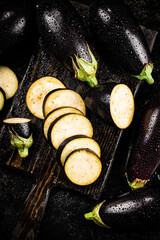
x: 62, y: 30
x: 145, y: 156
x: 16, y: 22
x: 21, y: 129
x: 97, y: 101
x: 118, y: 35
x: 136, y: 210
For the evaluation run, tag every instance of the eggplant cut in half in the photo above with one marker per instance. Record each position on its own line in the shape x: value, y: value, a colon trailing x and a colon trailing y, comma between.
x: 76, y: 142
x: 53, y: 115
x: 82, y: 167
x: 68, y: 125
x: 62, y: 30
x: 145, y: 154
x: 8, y: 81
x: 61, y: 98
x: 2, y: 98
x: 37, y: 92
x: 113, y: 103
x: 135, y: 210
x: 20, y: 134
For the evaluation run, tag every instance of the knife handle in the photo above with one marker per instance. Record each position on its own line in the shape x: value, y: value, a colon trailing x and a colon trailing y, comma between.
x: 32, y: 213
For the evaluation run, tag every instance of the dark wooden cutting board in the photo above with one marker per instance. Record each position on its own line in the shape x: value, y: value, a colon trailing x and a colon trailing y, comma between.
x: 43, y: 63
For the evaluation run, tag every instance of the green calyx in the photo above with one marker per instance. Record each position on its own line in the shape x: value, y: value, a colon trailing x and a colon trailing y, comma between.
x: 22, y: 144
x: 136, y: 183
x: 85, y: 71
x: 94, y: 215
x: 146, y: 73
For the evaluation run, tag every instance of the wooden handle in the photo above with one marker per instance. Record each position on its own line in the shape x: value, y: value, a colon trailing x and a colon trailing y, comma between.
x: 32, y: 213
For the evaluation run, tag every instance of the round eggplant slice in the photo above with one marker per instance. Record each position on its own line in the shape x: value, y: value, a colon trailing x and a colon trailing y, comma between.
x: 82, y: 167
x: 37, y: 92
x: 8, y: 81
x: 20, y: 134
x: 122, y: 105
x: 52, y: 116
x: 2, y: 98
x: 61, y: 98
x: 68, y: 125
x: 76, y: 142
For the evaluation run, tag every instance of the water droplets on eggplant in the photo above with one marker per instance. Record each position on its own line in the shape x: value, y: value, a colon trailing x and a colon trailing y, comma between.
x: 6, y: 15
x: 151, y: 124
x: 104, y: 15
x: 19, y: 25
x: 124, y: 207
x: 135, y: 43
x: 53, y: 20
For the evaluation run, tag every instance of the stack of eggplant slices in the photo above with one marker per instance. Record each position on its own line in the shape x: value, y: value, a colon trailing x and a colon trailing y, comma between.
x: 66, y: 128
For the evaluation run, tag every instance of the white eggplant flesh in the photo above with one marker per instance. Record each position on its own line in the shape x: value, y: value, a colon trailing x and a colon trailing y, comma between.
x: 37, y: 92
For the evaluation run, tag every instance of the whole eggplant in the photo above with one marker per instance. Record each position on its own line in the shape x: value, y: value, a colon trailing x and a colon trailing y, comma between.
x: 120, y: 38
x: 134, y: 210
x: 17, y: 21
x: 145, y: 154
x: 62, y: 30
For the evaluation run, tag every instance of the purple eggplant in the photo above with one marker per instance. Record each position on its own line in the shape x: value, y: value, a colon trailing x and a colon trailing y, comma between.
x: 134, y: 210
x: 145, y: 154
x: 17, y: 22
x: 119, y: 36
x: 62, y: 30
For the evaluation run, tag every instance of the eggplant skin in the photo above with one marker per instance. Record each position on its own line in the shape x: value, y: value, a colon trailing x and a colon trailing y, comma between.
x: 19, y: 126
x: 62, y: 30
x: 97, y: 101
x: 135, y: 210
x: 60, y: 26
x: 17, y: 20
x: 145, y: 155
x: 23, y: 130
x: 117, y: 33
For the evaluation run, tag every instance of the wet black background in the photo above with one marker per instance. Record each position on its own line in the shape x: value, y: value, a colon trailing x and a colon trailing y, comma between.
x: 63, y: 218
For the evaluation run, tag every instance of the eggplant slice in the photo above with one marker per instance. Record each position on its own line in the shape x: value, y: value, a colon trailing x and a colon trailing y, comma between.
x: 2, y: 98
x: 82, y: 167
x: 68, y: 125
x: 8, y: 81
x: 76, y: 142
x: 37, y: 92
x: 122, y: 106
x: 20, y: 134
x: 61, y: 98
x: 53, y: 115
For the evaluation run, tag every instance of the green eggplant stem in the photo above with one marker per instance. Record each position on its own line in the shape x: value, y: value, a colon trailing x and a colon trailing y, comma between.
x: 146, y: 73
x: 85, y: 71
x: 136, y: 183
x: 94, y: 215
x: 23, y: 152
x: 22, y: 144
